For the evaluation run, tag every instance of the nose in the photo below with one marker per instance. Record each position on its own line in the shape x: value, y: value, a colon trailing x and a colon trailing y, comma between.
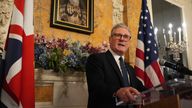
x: 121, y: 37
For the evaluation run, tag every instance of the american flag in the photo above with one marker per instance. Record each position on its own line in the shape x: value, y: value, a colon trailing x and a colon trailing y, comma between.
x: 17, y: 68
x: 147, y: 67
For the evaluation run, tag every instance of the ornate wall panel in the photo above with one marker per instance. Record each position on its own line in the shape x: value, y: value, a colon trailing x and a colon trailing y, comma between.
x: 117, y: 11
x: 5, y: 13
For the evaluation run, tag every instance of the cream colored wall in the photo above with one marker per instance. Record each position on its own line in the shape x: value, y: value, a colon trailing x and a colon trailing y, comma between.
x: 187, y: 19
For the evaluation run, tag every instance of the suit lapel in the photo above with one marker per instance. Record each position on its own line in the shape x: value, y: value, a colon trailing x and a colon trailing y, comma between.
x: 112, y: 61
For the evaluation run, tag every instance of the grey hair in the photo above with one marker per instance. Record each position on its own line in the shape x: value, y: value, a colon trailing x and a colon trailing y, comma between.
x: 120, y: 25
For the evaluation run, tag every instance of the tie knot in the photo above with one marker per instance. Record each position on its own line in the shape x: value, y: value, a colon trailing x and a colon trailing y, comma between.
x: 121, y: 58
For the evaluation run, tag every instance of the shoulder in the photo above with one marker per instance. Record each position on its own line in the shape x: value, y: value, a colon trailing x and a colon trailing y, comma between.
x: 101, y: 55
x: 96, y: 56
x: 95, y: 60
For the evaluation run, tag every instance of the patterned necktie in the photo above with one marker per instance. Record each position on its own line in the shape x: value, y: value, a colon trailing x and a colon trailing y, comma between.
x: 124, y: 72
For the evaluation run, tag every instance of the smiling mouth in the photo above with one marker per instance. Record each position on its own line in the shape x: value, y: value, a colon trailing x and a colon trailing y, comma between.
x: 120, y: 44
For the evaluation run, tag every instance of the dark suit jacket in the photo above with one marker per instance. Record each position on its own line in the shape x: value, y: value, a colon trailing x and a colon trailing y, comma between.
x: 104, y: 79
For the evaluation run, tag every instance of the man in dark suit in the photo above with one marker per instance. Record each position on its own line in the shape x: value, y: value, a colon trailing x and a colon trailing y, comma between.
x: 107, y: 83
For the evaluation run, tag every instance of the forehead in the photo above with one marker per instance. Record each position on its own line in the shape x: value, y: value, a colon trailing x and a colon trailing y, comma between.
x: 121, y: 30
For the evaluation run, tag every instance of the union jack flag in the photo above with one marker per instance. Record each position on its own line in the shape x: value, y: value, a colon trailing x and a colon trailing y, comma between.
x: 17, y: 68
x: 147, y: 67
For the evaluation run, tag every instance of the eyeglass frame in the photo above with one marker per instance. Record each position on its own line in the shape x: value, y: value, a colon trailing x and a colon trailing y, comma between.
x: 119, y: 35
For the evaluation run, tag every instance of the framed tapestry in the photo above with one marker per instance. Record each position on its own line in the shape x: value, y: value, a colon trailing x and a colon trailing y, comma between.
x: 73, y: 15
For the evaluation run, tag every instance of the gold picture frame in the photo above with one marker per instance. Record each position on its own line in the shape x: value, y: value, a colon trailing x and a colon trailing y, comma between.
x: 73, y: 15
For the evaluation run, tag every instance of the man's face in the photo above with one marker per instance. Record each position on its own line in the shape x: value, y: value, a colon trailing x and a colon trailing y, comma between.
x: 70, y: 8
x: 119, y: 40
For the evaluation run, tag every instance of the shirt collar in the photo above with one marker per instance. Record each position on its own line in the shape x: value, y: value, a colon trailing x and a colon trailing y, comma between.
x: 115, y: 55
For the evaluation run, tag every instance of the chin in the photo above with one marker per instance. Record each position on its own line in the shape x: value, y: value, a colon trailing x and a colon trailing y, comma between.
x: 121, y: 52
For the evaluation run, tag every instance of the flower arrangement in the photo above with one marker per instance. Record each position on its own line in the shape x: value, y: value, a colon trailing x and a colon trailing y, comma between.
x: 63, y: 55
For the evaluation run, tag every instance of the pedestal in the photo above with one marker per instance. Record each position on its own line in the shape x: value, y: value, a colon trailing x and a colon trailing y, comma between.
x: 60, y: 91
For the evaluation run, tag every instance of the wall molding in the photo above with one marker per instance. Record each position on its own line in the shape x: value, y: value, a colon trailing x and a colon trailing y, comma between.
x: 5, y: 14
x: 117, y: 11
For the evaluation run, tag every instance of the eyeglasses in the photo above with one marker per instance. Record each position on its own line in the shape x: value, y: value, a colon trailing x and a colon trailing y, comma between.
x: 118, y: 35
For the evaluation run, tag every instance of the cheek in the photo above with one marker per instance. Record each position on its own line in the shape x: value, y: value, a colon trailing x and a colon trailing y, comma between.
x: 112, y: 45
x: 128, y: 44
x: 112, y: 42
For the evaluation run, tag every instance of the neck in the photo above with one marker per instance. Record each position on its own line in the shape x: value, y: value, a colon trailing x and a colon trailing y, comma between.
x: 115, y: 53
